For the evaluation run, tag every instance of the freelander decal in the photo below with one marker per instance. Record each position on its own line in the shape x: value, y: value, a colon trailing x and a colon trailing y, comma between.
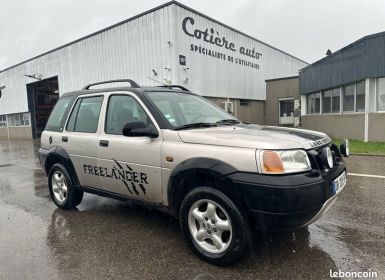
x: 131, y: 179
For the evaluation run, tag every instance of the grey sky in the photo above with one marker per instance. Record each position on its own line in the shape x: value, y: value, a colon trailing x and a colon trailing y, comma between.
x: 303, y: 28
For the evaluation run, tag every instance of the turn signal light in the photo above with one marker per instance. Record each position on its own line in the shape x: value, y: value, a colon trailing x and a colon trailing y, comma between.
x: 272, y: 162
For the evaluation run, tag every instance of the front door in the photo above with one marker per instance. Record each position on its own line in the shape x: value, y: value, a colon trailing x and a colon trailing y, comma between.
x: 129, y: 165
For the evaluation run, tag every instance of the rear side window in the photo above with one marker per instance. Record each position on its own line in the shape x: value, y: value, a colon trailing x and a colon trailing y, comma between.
x: 55, y: 120
x: 85, y: 115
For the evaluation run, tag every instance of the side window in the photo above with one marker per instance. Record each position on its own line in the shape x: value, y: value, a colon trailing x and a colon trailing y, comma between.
x: 56, y: 117
x: 123, y: 109
x: 85, y: 115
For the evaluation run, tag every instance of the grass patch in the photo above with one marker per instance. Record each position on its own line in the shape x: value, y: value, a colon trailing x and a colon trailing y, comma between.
x: 361, y: 147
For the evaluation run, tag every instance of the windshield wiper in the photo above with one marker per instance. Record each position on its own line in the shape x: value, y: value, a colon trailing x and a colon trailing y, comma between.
x: 195, y: 125
x: 228, y: 121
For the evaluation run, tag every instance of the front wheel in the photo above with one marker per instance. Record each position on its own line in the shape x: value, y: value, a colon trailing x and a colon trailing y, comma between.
x: 214, y: 227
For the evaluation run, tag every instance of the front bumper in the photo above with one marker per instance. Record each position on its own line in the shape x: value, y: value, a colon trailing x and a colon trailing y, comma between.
x: 280, y: 202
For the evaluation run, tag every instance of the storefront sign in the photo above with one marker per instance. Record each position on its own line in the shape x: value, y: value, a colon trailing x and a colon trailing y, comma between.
x: 209, y: 35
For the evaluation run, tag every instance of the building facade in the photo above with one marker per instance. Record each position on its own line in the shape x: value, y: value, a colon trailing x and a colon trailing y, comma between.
x: 282, y: 105
x: 343, y: 94
x: 171, y: 44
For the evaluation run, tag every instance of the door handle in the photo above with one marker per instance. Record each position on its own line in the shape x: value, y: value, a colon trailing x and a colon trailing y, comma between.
x: 64, y: 138
x: 103, y: 143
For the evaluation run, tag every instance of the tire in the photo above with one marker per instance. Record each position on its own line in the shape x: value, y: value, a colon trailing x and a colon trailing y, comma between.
x: 61, y: 188
x: 204, y: 237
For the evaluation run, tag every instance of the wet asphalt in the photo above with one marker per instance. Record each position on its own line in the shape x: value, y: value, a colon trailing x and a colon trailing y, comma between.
x: 108, y: 239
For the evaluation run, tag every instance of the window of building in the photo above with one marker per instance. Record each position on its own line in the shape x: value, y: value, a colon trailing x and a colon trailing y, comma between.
x: 286, y: 111
x: 20, y: 119
x: 313, y: 103
x: 244, y: 102
x: 3, y: 121
x: 331, y: 101
x: 360, y: 96
x: 327, y: 101
x: 348, y: 94
x: 381, y: 94
x: 336, y: 100
x: 85, y: 115
x: 123, y: 109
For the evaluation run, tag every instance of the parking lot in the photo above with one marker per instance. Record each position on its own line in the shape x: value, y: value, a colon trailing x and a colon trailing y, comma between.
x: 108, y: 239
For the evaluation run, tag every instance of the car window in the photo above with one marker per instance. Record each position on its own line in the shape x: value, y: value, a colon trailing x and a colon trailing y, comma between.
x: 183, y: 109
x: 85, y: 115
x: 56, y: 117
x: 123, y: 109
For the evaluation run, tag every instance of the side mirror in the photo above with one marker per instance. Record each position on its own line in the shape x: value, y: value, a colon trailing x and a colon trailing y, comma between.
x: 139, y: 129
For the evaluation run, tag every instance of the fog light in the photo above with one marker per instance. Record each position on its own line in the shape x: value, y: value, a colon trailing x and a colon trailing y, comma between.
x: 327, y: 157
x: 344, y: 148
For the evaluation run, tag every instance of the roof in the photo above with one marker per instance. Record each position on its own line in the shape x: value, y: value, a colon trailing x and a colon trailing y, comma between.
x: 367, y: 37
x: 143, y: 14
x: 360, y: 60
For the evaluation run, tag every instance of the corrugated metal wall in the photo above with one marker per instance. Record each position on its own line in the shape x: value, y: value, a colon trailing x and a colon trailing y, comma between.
x: 133, y: 49
x: 214, y: 77
x: 129, y: 50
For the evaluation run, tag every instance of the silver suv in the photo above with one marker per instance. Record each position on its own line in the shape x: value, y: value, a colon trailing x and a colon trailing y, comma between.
x: 174, y: 150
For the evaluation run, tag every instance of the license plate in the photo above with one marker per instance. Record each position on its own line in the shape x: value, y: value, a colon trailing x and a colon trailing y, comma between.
x: 339, y: 183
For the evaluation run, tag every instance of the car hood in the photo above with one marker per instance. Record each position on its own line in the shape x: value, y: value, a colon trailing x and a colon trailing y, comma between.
x: 255, y: 136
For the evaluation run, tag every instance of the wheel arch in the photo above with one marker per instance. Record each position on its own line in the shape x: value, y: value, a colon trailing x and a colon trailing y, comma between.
x: 198, y: 172
x: 59, y: 155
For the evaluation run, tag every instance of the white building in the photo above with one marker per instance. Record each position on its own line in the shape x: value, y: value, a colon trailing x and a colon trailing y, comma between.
x: 171, y: 43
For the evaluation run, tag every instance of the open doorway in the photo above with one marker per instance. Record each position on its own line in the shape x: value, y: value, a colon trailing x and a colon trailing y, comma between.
x: 42, y: 97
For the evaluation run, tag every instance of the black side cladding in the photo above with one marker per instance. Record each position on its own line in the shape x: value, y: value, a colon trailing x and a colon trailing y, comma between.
x: 54, y: 155
x: 191, y: 170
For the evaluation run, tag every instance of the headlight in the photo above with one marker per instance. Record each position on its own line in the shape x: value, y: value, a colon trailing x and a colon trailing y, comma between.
x: 279, y: 162
x: 344, y: 148
x: 327, y: 157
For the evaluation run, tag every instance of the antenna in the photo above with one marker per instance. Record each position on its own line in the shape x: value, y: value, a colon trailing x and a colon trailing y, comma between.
x: 163, y: 84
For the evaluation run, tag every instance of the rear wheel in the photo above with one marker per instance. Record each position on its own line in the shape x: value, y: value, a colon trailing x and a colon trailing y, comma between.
x: 61, y: 188
x: 214, y: 227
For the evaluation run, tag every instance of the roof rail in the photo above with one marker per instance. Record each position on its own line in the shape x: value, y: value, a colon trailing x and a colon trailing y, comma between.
x: 132, y: 83
x: 174, y: 86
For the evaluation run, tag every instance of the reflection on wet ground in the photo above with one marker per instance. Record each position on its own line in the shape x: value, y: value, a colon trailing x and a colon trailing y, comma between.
x: 107, y: 239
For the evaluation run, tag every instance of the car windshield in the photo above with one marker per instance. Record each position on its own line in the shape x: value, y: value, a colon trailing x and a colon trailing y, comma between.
x: 183, y: 110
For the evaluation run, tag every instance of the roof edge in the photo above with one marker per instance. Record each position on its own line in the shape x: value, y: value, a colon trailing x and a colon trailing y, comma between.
x: 282, y: 78
x: 366, y: 37
x: 94, y: 33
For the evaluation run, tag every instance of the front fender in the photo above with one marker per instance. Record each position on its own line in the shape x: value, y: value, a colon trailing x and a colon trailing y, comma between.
x: 189, y: 173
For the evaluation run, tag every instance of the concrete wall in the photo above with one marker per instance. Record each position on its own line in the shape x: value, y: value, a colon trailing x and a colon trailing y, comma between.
x: 376, y: 127
x: 253, y: 112
x: 24, y: 132
x: 3, y: 132
x: 337, y: 126
x: 276, y: 89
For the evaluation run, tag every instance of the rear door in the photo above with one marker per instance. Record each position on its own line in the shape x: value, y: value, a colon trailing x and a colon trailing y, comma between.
x: 129, y: 165
x: 80, y: 138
